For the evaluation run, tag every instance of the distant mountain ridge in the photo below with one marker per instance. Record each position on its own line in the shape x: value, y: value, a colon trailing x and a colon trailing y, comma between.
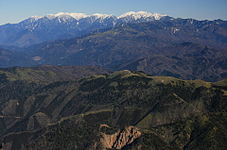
x: 52, y: 27
x: 179, y: 48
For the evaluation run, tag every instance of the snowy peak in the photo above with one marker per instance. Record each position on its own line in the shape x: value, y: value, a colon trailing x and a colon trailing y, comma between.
x: 141, y: 15
x: 101, y: 16
x: 67, y: 16
x: 36, y: 17
x: 76, y: 16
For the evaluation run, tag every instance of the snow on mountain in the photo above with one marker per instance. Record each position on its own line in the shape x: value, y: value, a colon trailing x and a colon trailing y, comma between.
x: 78, y: 16
x: 36, y: 17
x: 102, y: 16
x: 141, y: 14
x: 80, y: 20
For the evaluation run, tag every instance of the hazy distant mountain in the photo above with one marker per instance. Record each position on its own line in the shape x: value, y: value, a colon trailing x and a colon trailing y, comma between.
x: 65, y: 25
x: 187, y: 49
x: 12, y: 58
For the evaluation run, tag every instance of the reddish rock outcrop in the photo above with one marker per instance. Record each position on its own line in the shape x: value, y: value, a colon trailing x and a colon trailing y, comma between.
x: 121, y: 138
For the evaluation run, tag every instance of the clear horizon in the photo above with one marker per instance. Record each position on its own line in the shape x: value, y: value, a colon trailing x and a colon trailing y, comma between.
x: 14, y: 11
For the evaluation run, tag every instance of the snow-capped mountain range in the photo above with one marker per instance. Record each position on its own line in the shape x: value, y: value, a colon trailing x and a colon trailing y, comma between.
x: 67, y: 16
x: 78, y: 16
x: 37, y: 29
x: 75, y: 19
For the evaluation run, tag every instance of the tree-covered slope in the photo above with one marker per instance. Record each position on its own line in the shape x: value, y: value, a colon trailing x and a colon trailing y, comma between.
x: 122, y: 110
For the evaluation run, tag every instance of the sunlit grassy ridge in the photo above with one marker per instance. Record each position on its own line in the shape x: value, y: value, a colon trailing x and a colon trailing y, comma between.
x: 47, y: 74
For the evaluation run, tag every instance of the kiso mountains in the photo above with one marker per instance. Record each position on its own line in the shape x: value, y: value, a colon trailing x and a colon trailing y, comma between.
x: 65, y: 25
x: 140, y: 41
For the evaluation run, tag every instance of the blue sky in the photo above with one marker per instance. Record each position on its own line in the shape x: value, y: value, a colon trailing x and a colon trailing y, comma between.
x: 12, y: 11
